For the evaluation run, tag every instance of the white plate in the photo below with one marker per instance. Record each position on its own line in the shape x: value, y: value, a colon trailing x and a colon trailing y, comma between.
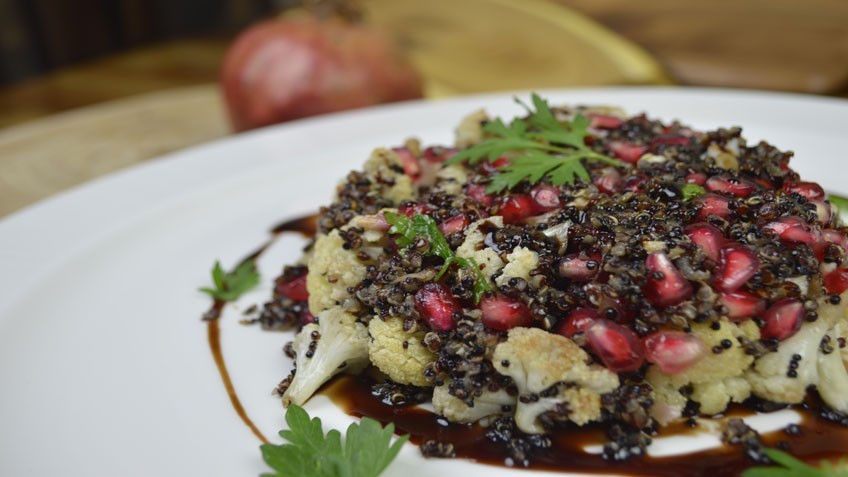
x: 104, y: 363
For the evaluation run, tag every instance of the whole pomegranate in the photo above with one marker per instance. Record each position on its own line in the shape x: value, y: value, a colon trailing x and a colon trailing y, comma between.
x: 301, y: 65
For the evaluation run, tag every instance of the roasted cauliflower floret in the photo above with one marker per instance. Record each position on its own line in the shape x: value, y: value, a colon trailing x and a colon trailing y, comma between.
x: 470, y: 129
x: 385, y: 167
x: 451, y: 178
x: 714, y: 379
x: 552, y: 373
x: 340, y: 344
x: 519, y: 264
x: 332, y: 270
x: 487, y: 404
x: 770, y: 378
x: 474, y: 246
x: 399, y: 354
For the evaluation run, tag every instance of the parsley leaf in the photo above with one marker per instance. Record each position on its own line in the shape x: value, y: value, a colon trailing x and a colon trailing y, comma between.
x: 840, y: 202
x: 690, y: 191
x: 540, y: 146
x: 791, y: 467
x: 367, y: 451
x: 229, y: 286
x: 424, y: 226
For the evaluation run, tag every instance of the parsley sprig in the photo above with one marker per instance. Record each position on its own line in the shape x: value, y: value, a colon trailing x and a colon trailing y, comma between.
x: 839, y: 201
x: 540, y: 146
x: 409, y: 229
x: 792, y: 467
x: 367, y: 450
x: 691, y: 191
x: 229, y: 286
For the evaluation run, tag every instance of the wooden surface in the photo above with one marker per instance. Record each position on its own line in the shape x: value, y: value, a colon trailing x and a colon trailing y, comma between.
x: 163, y: 98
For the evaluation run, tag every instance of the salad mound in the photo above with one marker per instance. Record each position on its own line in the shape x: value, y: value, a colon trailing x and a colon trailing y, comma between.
x: 574, y: 265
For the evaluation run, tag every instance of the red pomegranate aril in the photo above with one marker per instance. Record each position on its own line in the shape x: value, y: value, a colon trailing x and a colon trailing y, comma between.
x: 835, y: 237
x: 411, y: 166
x: 577, y: 320
x: 665, y: 285
x: 617, y: 347
x: 306, y: 317
x: 545, y: 198
x: 581, y: 269
x: 730, y: 185
x: 503, y: 313
x: 627, y: 152
x: 605, y: 121
x: 668, y: 140
x: 608, y: 180
x: 713, y: 204
x: 438, y: 154
x: 453, y: 225
x: 698, y: 178
x: 708, y: 238
x: 516, y: 207
x: 742, y: 305
x: 493, y: 166
x: 737, y: 265
x: 836, y: 281
x: 478, y: 193
x: 793, y: 229
x: 409, y: 209
x: 435, y: 303
x: 294, y: 289
x: 810, y: 190
x: 783, y: 319
x: 673, y: 351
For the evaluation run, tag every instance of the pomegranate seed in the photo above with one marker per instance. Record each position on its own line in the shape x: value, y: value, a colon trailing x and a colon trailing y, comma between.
x: 503, y: 313
x: 742, y: 305
x: 783, y: 319
x: 409, y: 209
x: 696, y: 178
x: 665, y: 285
x: 730, y: 185
x: 375, y: 222
x: 605, y: 121
x: 673, y: 351
x: 837, y: 237
x: 545, y: 198
x: 823, y: 211
x: 516, y: 207
x: 492, y: 167
x: 810, y: 190
x: 627, y: 152
x: 836, y: 281
x: 453, y: 225
x: 709, y: 238
x: 737, y: 265
x: 578, y: 320
x: 668, y: 140
x: 793, y: 229
x: 618, y: 347
x: 411, y: 166
x: 437, y: 306
x: 608, y: 181
x: 580, y: 269
x: 294, y: 289
x: 438, y: 154
x: 713, y: 204
x: 478, y: 193
x: 306, y: 317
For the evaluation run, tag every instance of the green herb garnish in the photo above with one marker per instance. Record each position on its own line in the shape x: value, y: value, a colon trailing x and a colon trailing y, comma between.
x: 792, y: 467
x: 541, y: 146
x: 367, y: 450
x: 840, y: 202
x: 229, y: 286
x: 690, y: 191
x: 424, y: 226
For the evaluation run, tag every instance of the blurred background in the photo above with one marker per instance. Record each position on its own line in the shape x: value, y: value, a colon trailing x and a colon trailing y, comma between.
x: 91, y: 86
